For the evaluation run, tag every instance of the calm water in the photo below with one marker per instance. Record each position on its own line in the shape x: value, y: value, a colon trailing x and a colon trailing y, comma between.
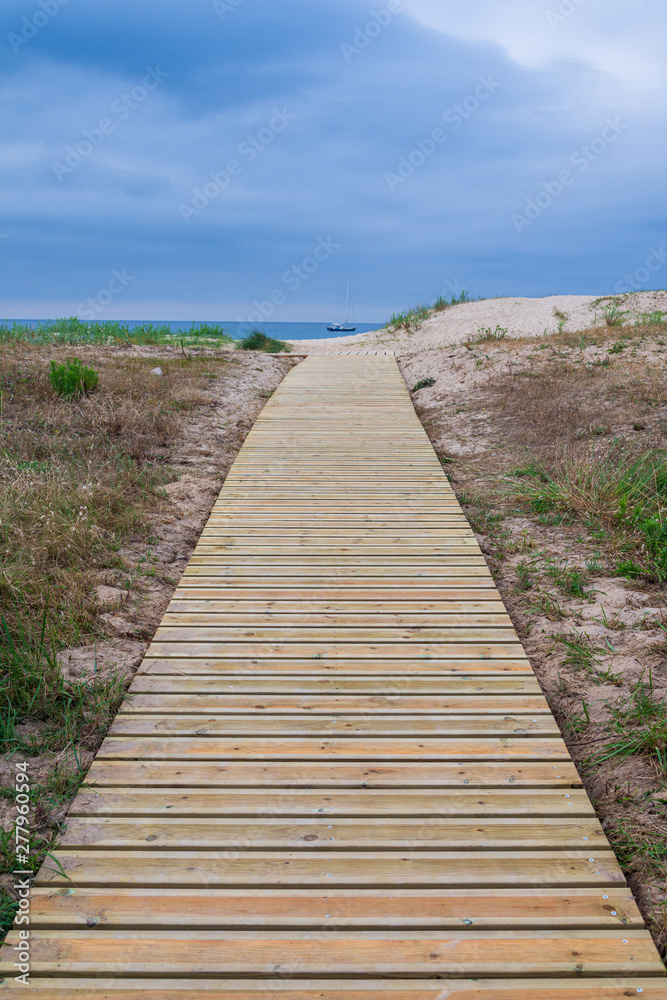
x: 283, y: 331
x: 294, y: 331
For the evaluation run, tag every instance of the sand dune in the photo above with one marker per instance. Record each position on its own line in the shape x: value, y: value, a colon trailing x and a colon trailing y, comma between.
x: 521, y: 317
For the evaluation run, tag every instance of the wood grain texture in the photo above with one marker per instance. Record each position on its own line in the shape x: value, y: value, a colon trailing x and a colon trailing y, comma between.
x: 345, y: 989
x: 335, y: 775
x: 358, y: 953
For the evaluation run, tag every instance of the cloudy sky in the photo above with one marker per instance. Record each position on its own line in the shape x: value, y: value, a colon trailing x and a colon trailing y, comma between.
x: 184, y: 160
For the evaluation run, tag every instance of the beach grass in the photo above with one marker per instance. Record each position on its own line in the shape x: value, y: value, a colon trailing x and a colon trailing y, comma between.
x: 72, y: 331
x: 413, y: 319
x: 258, y: 341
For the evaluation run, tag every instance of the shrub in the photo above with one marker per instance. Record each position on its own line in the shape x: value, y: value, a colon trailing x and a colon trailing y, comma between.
x: 73, y: 378
x: 424, y: 384
x: 258, y: 341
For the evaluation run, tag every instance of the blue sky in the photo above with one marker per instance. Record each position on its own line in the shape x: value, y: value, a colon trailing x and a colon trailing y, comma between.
x: 203, y: 160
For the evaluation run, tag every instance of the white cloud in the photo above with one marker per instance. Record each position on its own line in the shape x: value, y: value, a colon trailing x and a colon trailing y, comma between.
x: 622, y: 37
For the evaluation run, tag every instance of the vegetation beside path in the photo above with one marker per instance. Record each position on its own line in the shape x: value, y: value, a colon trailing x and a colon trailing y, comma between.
x: 74, y: 332
x: 557, y: 449
x: 97, y: 444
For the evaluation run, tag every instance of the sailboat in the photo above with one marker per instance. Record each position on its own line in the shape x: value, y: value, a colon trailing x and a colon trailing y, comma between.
x: 343, y: 327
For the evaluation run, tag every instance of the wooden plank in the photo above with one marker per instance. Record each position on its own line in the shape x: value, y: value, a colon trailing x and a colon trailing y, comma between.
x: 441, y: 667
x: 99, y: 988
x: 166, y: 704
x: 266, y: 632
x: 228, y: 598
x: 260, y: 724
x: 176, y: 615
x: 335, y: 649
x: 478, y: 581
x: 277, y: 833
x: 361, y: 953
x: 358, y: 547
x: 283, y: 522
x: 336, y: 574
x: 220, y: 909
x: 359, y: 748
x: 339, y: 774
x: 378, y: 559
x: 332, y: 684
x: 286, y: 869
x: 100, y: 801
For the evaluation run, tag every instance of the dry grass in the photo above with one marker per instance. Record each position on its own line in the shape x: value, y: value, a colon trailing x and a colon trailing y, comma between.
x: 577, y: 424
x: 79, y: 476
x: 83, y: 493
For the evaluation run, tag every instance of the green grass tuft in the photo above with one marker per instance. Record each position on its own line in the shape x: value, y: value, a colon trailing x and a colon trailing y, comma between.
x: 72, y: 378
x: 425, y: 383
x: 616, y: 489
x: 613, y: 316
x: 485, y: 335
x: 412, y: 319
x: 258, y: 341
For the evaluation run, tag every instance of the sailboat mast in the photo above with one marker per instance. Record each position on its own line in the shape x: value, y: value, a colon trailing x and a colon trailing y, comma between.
x: 347, y: 301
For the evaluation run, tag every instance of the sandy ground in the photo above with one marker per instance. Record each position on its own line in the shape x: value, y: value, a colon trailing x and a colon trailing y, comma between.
x: 133, y: 597
x: 520, y: 317
x: 210, y: 440
x: 481, y: 435
x: 490, y: 410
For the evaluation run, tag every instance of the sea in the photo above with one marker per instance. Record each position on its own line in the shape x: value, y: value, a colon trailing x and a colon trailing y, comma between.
x: 282, y: 331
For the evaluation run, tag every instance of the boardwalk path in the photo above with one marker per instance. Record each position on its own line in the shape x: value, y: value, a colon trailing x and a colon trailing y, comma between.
x: 336, y: 777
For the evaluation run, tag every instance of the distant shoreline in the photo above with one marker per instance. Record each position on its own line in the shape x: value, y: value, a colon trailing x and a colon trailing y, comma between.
x: 290, y: 331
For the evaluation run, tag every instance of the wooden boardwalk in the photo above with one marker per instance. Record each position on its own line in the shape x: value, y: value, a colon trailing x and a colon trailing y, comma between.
x: 335, y: 777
